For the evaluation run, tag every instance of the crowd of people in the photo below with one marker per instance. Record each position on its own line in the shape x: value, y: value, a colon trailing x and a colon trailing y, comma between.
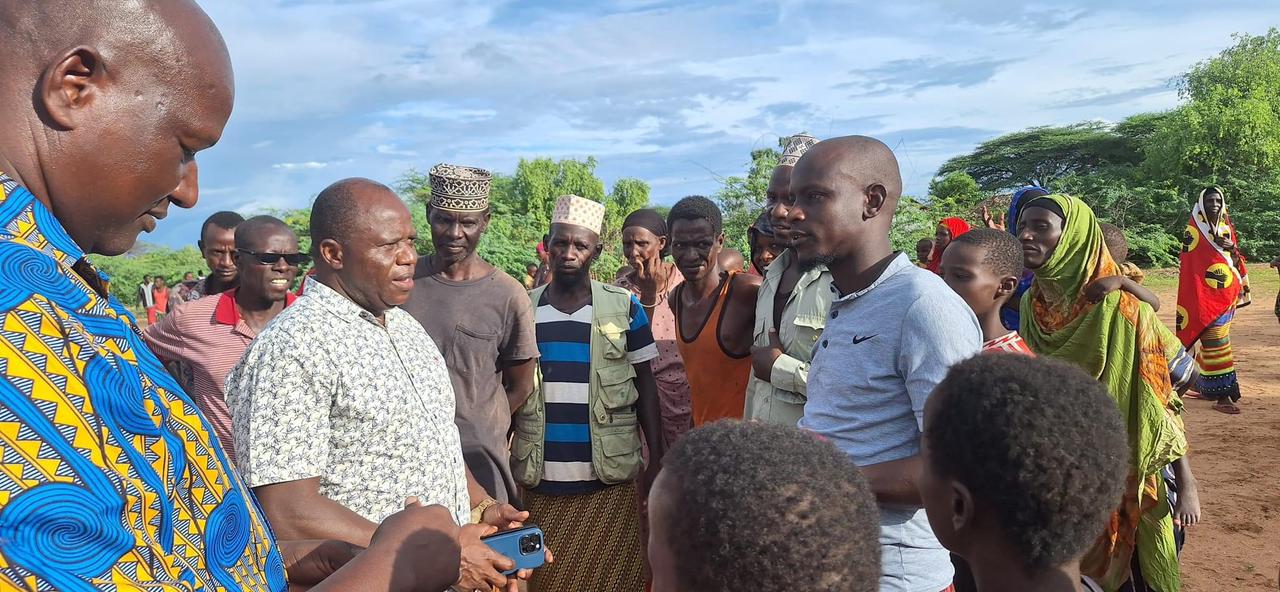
x: 1003, y: 414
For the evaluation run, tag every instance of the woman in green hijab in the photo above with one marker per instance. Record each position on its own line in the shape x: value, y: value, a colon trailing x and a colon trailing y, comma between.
x: 1117, y: 341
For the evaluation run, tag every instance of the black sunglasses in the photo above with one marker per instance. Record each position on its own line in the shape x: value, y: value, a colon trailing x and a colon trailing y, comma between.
x: 293, y: 259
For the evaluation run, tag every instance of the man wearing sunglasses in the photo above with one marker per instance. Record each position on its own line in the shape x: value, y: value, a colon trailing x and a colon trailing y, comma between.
x: 205, y: 338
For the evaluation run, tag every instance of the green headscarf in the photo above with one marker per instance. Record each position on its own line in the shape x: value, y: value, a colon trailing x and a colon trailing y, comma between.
x: 1118, y: 342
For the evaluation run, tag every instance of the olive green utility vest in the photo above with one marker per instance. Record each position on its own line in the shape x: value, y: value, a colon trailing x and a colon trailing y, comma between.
x: 612, y: 396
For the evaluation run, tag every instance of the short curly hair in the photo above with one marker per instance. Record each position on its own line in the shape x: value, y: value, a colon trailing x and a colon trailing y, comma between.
x: 1116, y: 241
x: 1038, y: 439
x: 1004, y: 252
x: 771, y: 506
x: 696, y: 207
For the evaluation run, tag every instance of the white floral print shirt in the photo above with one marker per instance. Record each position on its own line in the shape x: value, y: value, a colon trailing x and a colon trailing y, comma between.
x: 327, y: 391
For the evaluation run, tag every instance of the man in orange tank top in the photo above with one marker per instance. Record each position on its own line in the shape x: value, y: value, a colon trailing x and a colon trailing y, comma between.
x: 715, y: 312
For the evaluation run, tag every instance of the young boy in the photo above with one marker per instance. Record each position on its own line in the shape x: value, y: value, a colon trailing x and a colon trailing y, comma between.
x: 983, y: 267
x: 1023, y: 462
x: 762, y: 507
x: 924, y: 248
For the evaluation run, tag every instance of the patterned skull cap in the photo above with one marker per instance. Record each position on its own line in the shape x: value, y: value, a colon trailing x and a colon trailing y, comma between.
x: 796, y: 146
x: 579, y: 211
x: 459, y: 188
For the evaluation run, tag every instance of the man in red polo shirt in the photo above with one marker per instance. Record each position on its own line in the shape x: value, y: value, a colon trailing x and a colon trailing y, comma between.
x: 204, y: 339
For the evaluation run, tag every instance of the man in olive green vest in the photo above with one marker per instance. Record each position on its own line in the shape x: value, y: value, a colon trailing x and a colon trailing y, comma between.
x: 577, y: 445
x: 791, y: 311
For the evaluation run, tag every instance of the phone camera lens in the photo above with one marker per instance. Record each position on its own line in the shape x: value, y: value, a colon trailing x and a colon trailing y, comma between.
x: 530, y: 544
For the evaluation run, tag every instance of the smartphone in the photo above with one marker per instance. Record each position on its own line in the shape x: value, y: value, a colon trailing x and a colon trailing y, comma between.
x: 522, y: 545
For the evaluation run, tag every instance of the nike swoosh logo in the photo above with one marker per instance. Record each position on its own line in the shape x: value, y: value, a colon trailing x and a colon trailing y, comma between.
x: 857, y: 340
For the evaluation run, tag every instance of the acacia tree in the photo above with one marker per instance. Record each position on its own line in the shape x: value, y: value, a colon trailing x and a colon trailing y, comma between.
x: 1042, y: 155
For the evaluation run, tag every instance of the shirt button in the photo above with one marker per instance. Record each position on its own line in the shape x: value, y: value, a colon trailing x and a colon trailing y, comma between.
x: 824, y: 344
x: 835, y: 314
x: 815, y: 337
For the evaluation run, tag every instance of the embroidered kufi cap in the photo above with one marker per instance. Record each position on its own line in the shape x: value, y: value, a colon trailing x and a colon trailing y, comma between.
x: 796, y: 146
x: 460, y: 188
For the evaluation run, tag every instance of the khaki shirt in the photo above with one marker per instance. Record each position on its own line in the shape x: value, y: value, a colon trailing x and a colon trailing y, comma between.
x: 781, y: 400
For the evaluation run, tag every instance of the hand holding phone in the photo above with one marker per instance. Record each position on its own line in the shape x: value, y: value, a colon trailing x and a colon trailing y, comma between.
x: 522, y: 545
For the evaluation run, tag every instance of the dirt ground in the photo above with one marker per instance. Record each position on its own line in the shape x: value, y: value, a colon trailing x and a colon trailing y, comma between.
x: 1237, y: 544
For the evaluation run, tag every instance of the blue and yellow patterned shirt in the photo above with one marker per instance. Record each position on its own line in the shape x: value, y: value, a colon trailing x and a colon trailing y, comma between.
x: 109, y: 478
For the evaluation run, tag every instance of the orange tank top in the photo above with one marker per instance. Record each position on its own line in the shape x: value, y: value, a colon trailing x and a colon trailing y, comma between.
x: 717, y: 379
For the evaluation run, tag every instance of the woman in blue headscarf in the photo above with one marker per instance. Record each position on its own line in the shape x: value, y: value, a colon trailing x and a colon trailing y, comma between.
x: 1009, y: 315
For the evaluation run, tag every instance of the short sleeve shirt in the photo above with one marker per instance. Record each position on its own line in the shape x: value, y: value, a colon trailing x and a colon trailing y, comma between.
x: 565, y: 342
x: 328, y: 391
x: 112, y: 478
x: 481, y: 327
x: 883, y: 351
x: 204, y: 339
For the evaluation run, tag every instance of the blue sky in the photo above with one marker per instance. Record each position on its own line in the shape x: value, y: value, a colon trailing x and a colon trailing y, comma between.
x: 675, y: 93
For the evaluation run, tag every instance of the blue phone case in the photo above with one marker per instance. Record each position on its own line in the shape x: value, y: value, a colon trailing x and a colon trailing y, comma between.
x: 522, y: 545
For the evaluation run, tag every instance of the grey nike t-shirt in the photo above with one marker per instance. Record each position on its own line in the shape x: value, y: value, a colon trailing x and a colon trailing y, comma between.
x: 882, y: 353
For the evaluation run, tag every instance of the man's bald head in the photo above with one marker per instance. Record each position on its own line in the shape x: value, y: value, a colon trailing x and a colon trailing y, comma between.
x: 105, y: 107
x: 864, y: 160
x: 363, y: 238
x: 844, y: 192
x: 341, y: 208
x: 252, y: 233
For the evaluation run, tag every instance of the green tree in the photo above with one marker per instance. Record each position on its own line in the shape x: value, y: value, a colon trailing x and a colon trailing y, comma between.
x: 522, y: 204
x: 1042, y: 155
x: 954, y: 194
x: 126, y: 271
x: 741, y: 199
x: 1227, y: 133
x: 911, y: 222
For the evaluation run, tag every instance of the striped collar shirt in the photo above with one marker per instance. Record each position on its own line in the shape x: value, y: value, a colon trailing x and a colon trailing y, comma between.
x: 200, y: 342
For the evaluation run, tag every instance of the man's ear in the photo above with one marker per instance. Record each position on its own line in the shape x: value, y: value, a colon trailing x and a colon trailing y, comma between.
x: 720, y: 239
x: 876, y: 198
x: 72, y: 83
x: 331, y: 252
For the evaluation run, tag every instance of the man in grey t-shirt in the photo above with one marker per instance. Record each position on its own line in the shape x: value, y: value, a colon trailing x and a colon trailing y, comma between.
x: 481, y: 320
x: 893, y: 331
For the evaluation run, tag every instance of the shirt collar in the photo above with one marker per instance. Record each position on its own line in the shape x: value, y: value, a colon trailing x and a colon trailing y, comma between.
x: 24, y: 219
x: 780, y: 264
x: 337, y: 304
x: 899, y: 263
x: 227, y: 313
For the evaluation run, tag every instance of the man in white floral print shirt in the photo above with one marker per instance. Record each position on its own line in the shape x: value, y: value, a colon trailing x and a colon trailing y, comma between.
x: 343, y: 406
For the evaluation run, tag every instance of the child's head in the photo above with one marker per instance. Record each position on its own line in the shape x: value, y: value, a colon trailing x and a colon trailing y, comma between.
x: 983, y: 266
x: 1024, y: 458
x: 924, y: 247
x: 765, y: 505
x: 1116, y: 242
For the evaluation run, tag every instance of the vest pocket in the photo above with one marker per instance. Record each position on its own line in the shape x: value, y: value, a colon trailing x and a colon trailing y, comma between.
x: 619, y: 459
x: 617, y: 389
x: 526, y: 459
x: 613, y: 336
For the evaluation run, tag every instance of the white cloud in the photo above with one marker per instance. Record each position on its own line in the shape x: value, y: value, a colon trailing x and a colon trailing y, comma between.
x: 308, y: 165
x: 676, y: 93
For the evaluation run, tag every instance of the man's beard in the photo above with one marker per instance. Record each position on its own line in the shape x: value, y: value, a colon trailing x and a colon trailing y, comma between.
x: 810, y: 265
